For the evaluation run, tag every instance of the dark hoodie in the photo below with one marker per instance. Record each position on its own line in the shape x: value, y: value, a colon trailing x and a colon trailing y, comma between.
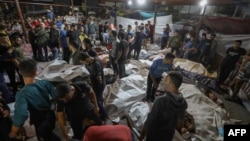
x: 165, y: 114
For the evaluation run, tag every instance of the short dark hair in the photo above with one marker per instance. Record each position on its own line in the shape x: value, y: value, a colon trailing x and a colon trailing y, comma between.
x: 238, y: 41
x: 213, y: 34
x: 87, y: 41
x: 175, y: 78
x: 169, y: 56
x: 62, y: 90
x: 204, y: 34
x: 74, y: 43
x: 28, y: 68
x: 83, y: 56
x: 120, y: 26
x: 114, y: 33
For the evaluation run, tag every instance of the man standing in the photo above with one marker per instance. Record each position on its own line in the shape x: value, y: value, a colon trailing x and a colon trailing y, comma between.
x: 204, y: 49
x: 232, y: 57
x: 175, y: 43
x: 95, y: 67
x: 54, y: 41
x: 122, y: 52
x: 114, y: 56
x: 166, y: 112
x: 34, y: 100
x: 151, y: 32
x: 155, y: 74
x: 75, y: 99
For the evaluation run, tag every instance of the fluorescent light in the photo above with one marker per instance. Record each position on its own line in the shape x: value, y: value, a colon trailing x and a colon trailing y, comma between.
x: 130, y: 2
x: 203, y: 3
x: 141, y: 2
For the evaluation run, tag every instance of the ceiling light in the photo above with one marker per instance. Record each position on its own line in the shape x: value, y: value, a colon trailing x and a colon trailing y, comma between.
x: 141, y: 2
x: 203, y: 3
x: 130, y: 2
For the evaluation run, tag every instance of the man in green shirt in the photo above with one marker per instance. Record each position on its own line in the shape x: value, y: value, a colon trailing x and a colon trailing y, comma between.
x: 33, y: 101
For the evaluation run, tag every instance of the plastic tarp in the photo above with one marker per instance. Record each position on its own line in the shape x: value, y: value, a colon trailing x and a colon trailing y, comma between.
x: 124, y: 97
x: 160, y: 22
x: 147, y: 15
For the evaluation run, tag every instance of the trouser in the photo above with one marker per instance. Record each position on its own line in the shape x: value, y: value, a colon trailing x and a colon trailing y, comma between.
x: 66, y: 54
x: 137, y: 51
x: 121, y: 67
x: 78, y: 127
x: 131, y: 48
x: 177, y: 51
x: 11, y: 72
x: 151, y: 36
x: 5, y: 127
x: 164, y: 42
x: 54, y: 49
x: 203, y: 58
x: 114, y: 65
x: 150, y: 88
x: 34, y: 50
x: 4, y: 89
x: 225, y: 70
x: 44, y: 122
x: 42, y: 47
x: 99, y: 97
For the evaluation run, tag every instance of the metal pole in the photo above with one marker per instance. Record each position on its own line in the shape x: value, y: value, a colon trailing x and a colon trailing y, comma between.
x: 21, y: 18
x: 115, y: 20
x: 200, y: 22
x: 236, y: 10
x: 72, y: 5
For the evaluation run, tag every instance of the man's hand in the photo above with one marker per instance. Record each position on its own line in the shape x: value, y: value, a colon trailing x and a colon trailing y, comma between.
x: 116, y: 61
x: 10, y: 50
x: 96, y: 110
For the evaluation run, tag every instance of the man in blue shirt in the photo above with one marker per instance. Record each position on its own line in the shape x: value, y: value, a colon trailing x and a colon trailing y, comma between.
x: 155, y: 74
x: 33, y: 101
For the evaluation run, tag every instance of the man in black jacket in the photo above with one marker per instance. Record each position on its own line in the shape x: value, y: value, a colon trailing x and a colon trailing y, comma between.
x: 166, y: 112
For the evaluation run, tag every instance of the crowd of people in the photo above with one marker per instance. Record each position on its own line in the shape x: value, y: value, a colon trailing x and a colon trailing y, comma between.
x: 81, y: 103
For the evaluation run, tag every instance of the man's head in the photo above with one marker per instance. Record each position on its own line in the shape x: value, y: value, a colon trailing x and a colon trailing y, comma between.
x: 87, y: 43
x: 113, y: 34
x: 237, y: 44
x: 84, y: 58
x: 212, y: 37
x: 65, y: 92
x: 169, y: 58
x: 120, y: 26
x: 17, y: 40
x: 176, y: 33
x: 129, y: 27
x: 28, y: 68
x: 203, y: 35
x: 173, y: 81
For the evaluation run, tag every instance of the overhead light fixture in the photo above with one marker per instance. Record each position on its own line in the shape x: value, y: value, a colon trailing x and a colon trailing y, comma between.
x: 203, y: 2
x: 141, y: 2
x: 130, y: 2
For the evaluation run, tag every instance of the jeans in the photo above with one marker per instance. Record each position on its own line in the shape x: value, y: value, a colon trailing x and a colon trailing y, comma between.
x: 40, y: 49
